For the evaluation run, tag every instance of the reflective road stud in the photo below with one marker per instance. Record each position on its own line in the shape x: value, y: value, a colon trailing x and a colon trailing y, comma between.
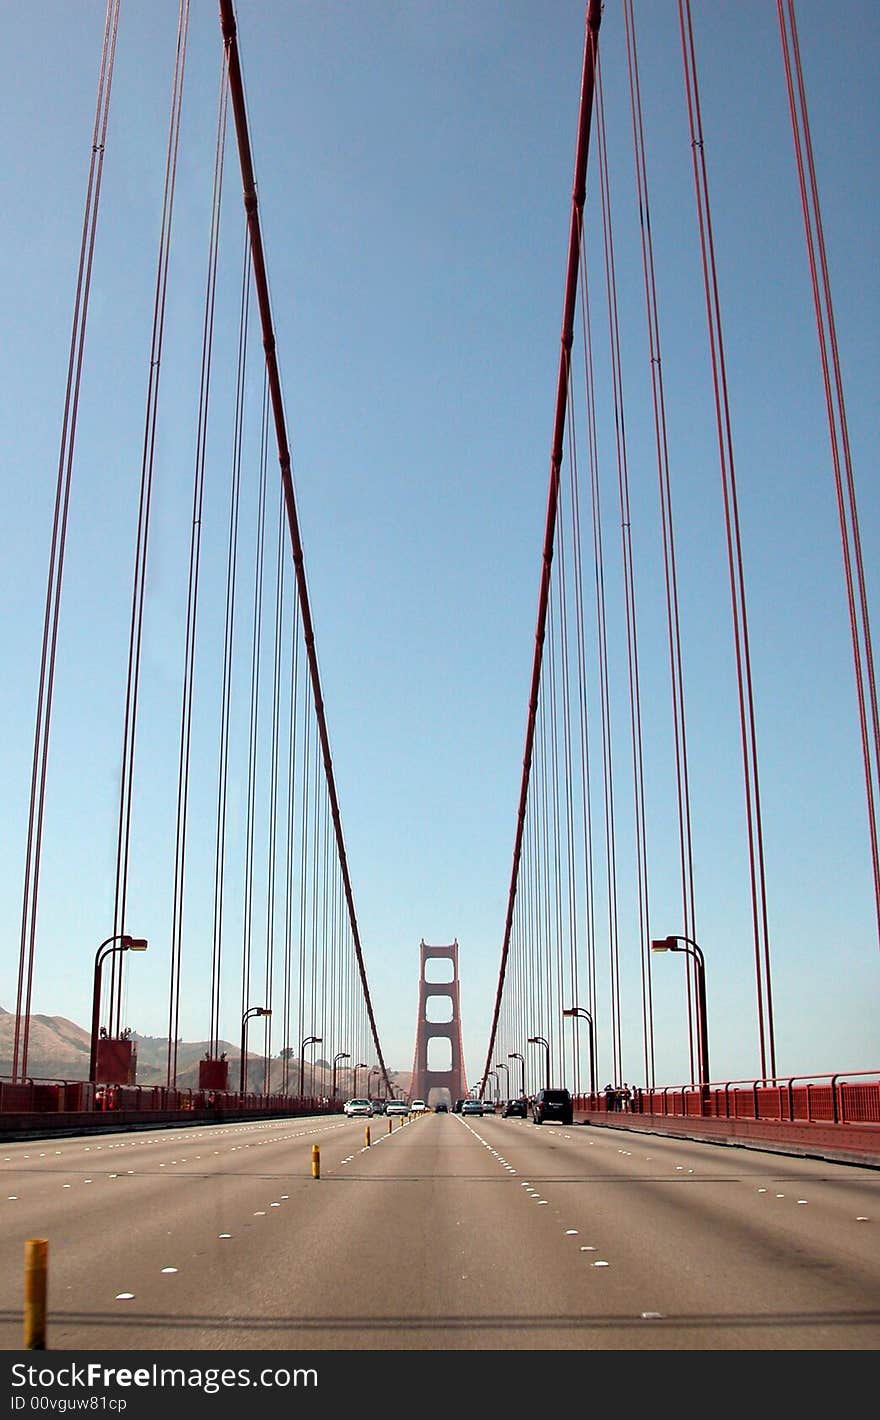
x: 316, y: 1161
x: 36, y: 1258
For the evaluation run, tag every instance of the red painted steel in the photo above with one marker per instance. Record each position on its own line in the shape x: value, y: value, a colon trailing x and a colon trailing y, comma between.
x: 214, y: 1075
x: 591, y: 51
x: 249, y: 186
x: 424, y: 1080
x: 115, y: 1061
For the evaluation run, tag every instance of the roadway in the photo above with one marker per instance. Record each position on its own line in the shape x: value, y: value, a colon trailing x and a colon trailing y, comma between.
x: 447, y: 1233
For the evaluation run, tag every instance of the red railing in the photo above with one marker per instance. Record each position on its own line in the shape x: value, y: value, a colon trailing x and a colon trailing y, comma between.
x: 846, y: 1098
x: 42, y: 1096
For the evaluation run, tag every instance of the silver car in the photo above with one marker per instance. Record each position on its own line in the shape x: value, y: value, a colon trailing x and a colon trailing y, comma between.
x: 355, y: 1108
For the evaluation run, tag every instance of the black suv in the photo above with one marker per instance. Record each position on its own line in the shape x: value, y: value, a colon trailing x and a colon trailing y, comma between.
x: 553, y: 1104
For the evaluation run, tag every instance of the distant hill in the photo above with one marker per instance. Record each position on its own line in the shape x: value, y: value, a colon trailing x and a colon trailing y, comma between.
x: 58, y: 1049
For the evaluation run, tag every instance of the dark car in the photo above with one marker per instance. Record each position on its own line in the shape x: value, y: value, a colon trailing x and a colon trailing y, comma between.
x: 456, y: 1108
x: 515, y: 1109
x: 441, y: 1109
x: 552, y: 1104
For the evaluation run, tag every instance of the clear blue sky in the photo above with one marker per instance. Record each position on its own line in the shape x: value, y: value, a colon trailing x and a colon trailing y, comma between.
x: 414, y: 165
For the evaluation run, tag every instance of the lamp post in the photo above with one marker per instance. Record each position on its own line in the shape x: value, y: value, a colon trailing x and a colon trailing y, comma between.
x: 495, y: 1078
x: 340, y: 1055
x: 500, y: 1065
x: 309, y: 1040
x: 686, y: 944
x: 121, y: 942
x: 372, y: 1069
x: 361, y: 1065
x: 541, y: 1040
x: 581, y: 1013
x: 515, y: 1055
x: 248, y: 1015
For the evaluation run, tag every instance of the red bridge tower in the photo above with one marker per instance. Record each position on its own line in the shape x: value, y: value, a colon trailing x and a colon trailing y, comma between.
x: 453, y: 1079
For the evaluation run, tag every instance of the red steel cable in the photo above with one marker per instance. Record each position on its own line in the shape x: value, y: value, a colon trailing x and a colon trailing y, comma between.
x: 139, y: 578
x: 583, y: 716
x: 568, y: 781
x: 860, y: 628
x: 274, y: 754
x: 632, y: 645
x: 253, y: 730
x: 193, y: 593
x: 591, y: 46
x: 604, y: 690
x: 43, y: 719
x: 734, y: 554
x: 228, y: 652
x: 666, y: 519
x: 291, y: 843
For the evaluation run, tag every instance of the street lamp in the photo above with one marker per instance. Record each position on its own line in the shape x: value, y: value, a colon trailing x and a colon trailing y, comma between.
x: 500, y: 1065
x: 515, y: 1055
x: 495, y: 1078
x: 541, y: 1040
x: 309, y: 1040
x: 686, y: 944
x: 123, y: 943
x: 361, y: 1065
x: 370, y: 1076
x: 581, y: 1013
x: 248, y: 1015
x: 340, y: 1055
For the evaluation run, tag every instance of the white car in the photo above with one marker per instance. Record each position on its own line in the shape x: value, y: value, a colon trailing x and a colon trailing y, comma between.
x: 354, y: 1108
x: 397, y: 1107
x: 418, y: 1107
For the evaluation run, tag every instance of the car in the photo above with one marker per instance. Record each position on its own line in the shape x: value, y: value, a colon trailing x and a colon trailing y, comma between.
x: 552, y: 1104
x: 358, y: 1108
x: 396, y: 1107
x: 456, y: 1108
x: 441, y: 1109
x: 488, y: 1106
x: 418, y: 1107
x: 515, y: 1109
x: 471, y: 1107
x: 378, y: 1106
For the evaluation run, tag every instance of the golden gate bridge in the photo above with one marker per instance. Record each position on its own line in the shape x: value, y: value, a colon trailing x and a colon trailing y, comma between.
x: 259, y: 901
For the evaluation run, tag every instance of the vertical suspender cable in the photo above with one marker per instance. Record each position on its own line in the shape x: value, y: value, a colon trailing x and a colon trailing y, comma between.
x: 193, y: 592
x: 583, y: 719
x: 253, y: 739
x: 228, y: 648
x: 604, y: 687
x: 735, y: 558
x: 273, y: 795
x: 669, y: 563
x: 139, y: 579
x: 42, y: 727
x: 555, y: 1035
x: 291, y: 842
x: 236, y: 88
x: 856, y: 592
x: 632, y: 644
x: 591, y: 45
x: 568, y: 783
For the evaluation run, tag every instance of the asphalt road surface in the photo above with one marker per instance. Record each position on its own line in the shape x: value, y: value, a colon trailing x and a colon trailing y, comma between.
x: 446, y: 1233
